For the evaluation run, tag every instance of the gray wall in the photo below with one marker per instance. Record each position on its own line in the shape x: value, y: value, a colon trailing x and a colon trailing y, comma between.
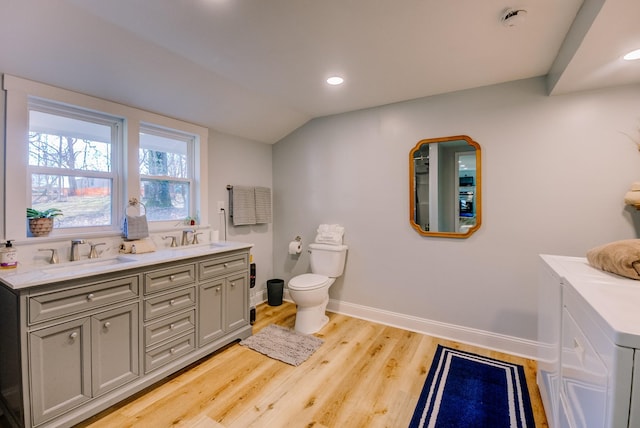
x: 237, y: 161
x: 555, y: 170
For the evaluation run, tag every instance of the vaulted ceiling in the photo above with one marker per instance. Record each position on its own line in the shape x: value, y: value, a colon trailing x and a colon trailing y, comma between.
x: 257, y: 68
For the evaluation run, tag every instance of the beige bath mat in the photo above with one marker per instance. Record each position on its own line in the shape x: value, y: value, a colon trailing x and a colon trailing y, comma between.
x: 283, y: 344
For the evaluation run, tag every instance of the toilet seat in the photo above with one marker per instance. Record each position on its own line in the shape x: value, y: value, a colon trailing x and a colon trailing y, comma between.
x: 308, y: 281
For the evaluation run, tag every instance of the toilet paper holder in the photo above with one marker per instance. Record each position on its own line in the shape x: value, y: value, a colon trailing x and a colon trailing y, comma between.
x: 295, y: 246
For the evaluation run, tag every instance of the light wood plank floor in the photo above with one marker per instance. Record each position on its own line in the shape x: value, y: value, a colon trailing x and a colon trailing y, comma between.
x: 364, y: 375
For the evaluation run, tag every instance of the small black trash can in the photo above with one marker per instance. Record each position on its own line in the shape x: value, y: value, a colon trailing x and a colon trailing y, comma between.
x: 275, y: 288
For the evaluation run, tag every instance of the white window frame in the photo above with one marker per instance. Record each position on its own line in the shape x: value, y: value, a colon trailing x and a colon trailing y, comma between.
x: 18, y: 93
x: 117, y: 145
x: 190, y: 140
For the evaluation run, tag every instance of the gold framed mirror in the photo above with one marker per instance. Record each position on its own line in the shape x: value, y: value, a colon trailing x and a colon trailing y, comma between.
x: 445, y: 192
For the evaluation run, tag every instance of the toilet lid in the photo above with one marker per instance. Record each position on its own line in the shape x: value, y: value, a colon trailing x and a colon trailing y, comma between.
x: 307, y: 281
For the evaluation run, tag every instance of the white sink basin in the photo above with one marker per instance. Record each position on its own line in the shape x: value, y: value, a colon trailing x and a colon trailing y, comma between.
x: 86, y: 265
x: 199, y: 248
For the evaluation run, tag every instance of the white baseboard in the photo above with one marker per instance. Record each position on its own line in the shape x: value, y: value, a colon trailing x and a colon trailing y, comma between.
x: 498, y: 342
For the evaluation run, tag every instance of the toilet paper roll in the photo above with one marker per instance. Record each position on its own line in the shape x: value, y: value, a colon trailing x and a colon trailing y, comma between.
x: 295, y: 247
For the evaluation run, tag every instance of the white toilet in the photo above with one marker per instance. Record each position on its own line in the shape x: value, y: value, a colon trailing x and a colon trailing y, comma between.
x: 310, y: 291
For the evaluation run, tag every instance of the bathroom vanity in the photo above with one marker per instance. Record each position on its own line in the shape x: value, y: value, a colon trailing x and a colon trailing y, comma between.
x: 77, y: 338
x: 589, y: 336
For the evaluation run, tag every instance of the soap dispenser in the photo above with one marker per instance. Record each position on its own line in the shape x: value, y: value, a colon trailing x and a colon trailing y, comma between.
x: 8, y: 256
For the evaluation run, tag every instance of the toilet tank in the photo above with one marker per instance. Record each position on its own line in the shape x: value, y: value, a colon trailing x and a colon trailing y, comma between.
x: 328, y: 259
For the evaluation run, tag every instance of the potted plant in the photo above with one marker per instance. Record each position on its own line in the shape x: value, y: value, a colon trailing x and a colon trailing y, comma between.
x: 41, y: 222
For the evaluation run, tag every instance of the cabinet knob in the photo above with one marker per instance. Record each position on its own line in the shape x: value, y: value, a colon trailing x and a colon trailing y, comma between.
x: 217, y: 289
x: 172, y: 277
x: 73, y: 335
x: 172, y: 350
x: 226, y: 265
x: 107, y: 324
x: 233, y: 284
x: 172, y: 302
x: 172, y: 326
x: 90, y: 296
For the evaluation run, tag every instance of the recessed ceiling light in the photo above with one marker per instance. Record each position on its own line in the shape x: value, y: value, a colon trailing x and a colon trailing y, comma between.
x: 335, y: 80
x: 632, y: 55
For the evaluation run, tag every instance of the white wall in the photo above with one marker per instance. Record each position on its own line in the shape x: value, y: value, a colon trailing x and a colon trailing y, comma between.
x: 555, y: 170
x: 237, y: 161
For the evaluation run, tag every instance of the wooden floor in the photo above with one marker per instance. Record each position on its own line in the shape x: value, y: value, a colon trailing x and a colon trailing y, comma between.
x: 364, y: 375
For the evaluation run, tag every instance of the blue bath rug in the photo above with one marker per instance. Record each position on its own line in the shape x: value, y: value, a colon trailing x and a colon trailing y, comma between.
x: 467, y: 390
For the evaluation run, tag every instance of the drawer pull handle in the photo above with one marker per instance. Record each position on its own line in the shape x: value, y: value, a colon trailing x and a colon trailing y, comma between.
x: 226, y: 265
x: 172, y: 277
x: 90, y: 297
x: 172, y: 302
x: 107, y: 324
x: 73, y: 335
x: 172, y: 350
x: 172, y: 326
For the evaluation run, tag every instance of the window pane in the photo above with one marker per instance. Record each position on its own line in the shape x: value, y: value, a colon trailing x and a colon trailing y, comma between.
x: 62, y: 142
x: 165, y: 199
x: 162, y: 156
x: 85, y: 201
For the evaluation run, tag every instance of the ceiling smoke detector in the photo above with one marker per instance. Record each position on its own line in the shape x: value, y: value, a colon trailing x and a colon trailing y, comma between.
x: 513, y: 17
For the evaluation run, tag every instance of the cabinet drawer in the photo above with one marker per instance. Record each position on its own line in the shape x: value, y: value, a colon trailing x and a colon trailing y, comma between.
x: 167, y: 303
x: 164, y: 329
x: 67, y: 302
x: 163, y: 279
x: 223, y: 265
x: 168, y: 352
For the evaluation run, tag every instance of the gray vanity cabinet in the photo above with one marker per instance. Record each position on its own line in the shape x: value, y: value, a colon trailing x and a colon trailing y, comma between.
x: 75, y: 347
x: 223, y: 301
x: 60, y: 368
x: 169, y: 314
x: 237, y: 298
x: 210, y: 314
x: 74, y: 361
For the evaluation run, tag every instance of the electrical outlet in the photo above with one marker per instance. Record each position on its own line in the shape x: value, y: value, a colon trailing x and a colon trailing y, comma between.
x: 220, y: 206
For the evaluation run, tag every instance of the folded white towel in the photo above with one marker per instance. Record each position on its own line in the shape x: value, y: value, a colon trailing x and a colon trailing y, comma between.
x: 328, y: 239
x: 330, y: 228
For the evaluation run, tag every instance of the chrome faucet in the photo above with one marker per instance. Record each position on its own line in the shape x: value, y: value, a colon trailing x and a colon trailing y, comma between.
x: 195, y: 237
x: 185, y: 236
x: 75, y: 254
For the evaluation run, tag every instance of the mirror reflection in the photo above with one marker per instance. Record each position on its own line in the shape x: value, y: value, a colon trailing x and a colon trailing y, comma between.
x: 444, y: 177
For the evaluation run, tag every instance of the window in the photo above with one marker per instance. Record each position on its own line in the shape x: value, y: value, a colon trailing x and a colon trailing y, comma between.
x: 72, y: 164
x: 88, y: 156
x: 166, y: 167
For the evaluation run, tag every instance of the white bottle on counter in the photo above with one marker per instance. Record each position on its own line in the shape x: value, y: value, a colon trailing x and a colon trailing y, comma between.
x: 8, y: 256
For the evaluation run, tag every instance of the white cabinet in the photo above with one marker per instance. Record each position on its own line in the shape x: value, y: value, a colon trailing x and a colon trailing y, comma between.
x: 589, y: 334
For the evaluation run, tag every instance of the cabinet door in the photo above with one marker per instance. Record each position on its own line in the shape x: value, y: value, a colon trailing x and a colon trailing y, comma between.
x: 114, y: 348
x: 60, y: 361
x: 210, y: 311
x: 237, y: 304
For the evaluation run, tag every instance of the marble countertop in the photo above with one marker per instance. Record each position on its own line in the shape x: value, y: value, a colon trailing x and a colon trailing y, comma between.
x: 31, y: 275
